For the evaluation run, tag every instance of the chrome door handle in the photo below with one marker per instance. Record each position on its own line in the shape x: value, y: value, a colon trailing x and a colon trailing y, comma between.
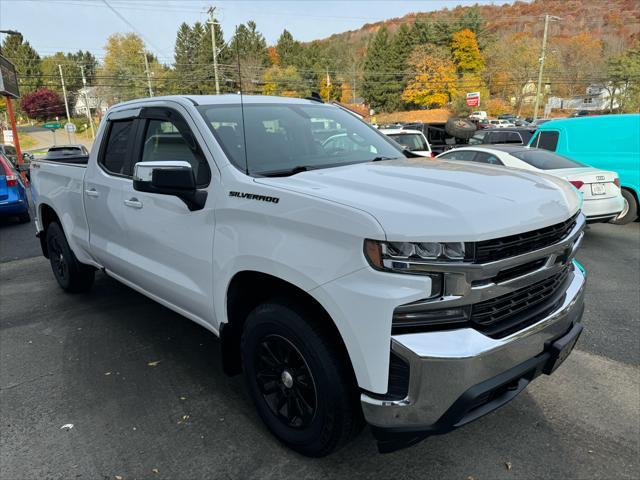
x: 92, y: 192
x: 133, y: 203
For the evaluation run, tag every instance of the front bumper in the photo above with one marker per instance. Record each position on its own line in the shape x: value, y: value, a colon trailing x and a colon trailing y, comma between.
x: 457, y: 376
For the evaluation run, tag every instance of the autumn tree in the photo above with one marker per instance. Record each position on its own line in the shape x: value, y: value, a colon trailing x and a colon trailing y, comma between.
x: 284, y: 82
x: 434, y: 77
x: 42, y: 104
x: 465, y: 52
x: 577, y: 58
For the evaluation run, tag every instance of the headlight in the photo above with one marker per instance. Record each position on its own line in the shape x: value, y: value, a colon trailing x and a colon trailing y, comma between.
x: 401, y: 256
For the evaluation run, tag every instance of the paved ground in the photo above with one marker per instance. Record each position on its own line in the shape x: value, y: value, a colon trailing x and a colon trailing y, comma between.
x: 85, y: 360
x: 44, y: 138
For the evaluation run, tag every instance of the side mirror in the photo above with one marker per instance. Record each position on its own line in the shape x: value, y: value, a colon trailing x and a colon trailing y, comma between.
x: 169, y: 178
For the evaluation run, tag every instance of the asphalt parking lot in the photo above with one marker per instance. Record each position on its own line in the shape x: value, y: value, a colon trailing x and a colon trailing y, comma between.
x: 147, y: 398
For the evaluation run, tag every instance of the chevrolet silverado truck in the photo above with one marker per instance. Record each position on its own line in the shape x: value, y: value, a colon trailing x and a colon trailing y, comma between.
x: 346, y: 282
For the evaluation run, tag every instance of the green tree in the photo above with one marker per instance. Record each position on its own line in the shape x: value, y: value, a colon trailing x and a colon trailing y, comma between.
x: 249, y: 48
x: 288, y: 49
x: 623, y: 85
x: 380, y: 85
x: 26, y: 60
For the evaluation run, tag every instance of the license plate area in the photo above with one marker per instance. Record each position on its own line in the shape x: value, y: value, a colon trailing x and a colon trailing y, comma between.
x: 598, y: 189
x: 561, y: 348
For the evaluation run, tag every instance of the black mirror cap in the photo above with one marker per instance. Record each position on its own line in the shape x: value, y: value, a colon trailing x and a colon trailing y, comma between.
x: 178, y: 178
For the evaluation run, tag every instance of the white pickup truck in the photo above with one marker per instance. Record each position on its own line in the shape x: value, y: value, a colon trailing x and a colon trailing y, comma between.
x: 346, y: 282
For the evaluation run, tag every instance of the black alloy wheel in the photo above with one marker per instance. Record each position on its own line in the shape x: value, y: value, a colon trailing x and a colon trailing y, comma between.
x: 285, y: 382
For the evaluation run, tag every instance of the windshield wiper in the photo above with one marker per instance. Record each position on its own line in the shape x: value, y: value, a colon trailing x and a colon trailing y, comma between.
x: 286, y: 173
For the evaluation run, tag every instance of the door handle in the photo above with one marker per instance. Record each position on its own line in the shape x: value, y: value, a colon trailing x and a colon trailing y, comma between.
x: 92, y: 192
x: 133, y: 203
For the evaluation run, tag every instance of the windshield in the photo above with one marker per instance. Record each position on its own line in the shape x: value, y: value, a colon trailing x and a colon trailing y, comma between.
x: 415, y: 142
x: 281, y: 137
x: 545, y: 160
x: 477, y: 138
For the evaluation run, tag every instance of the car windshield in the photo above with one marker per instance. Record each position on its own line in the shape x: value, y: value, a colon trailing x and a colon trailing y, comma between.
x: 282, y: 137
x: 413, y: 141
x: 545, y: 160
x: 477, y: 138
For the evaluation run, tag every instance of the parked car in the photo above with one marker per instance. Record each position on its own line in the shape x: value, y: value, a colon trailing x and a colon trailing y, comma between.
x: 518, y: 136
x: 600, y: 189
x: 478, y: 115
x: 412, y: 140
x: 501, y: 124
x: 437, y: 136
x: 610, y: 142
x: 343, y: 283
x: 9, y: 151
x: 13, y: 192
x: 61, y: 151
x: 539, y: 121
x: 507, y: 116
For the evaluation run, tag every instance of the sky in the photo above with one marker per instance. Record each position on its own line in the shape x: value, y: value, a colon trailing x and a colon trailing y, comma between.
x: 71, y: 25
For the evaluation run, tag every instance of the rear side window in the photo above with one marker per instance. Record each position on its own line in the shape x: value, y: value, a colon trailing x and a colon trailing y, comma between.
x: 117, y: 146
x: 484, y: 157
x: 545, y: 160
x: 548, y: 140
x: 465, y: 155
x: 512, y: 137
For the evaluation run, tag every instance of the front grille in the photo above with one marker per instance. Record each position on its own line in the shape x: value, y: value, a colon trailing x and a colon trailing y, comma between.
x: 505, y: 247
x: 513, y: 311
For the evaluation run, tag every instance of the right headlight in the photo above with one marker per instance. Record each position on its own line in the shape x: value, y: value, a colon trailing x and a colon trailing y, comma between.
x: 398, y: 256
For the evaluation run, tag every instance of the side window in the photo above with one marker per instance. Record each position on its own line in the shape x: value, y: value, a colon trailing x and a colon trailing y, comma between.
x: 498, y: 137
x: 548, y: 140
x: 484, y: 157
x: 171, y: 140
x: 465, y: 155
x: 117, y: 146
x: 513, y: 137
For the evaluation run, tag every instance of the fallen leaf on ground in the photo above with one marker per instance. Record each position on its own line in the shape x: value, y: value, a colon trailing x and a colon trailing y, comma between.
x: 508, y: 465
x: 155, y: 470
x: 185, y: 417
x: 118, y: 477
x: 67, y: 426
x: 153, y: 364
x: 183, y: 398
x: 107, y: 373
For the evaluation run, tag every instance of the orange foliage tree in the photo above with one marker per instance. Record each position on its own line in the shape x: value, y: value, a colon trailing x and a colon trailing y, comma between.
x: 434, y: 77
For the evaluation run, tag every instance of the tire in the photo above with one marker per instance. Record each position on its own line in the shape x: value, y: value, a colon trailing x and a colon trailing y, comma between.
x: 71, y: 275
x: 630, y: 212
x: 287, y: 356
x: 460, y: 128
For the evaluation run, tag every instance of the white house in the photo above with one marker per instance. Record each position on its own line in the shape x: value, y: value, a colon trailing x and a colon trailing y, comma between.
x: 96, y: 103
x: 597, y: 98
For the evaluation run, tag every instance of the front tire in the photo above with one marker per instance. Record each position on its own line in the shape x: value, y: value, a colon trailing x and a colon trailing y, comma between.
x: 630, y: 212
x: 298, y: 378
x: 71, y: 275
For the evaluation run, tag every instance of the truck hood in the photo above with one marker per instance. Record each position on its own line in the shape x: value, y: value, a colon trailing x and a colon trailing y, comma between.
x: 435, y: 200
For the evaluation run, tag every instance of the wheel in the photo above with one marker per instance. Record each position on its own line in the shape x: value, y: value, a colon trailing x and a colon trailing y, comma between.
x: 629, y: 212
x: 25, y: 217
x: 302, y: 387
x: 71, y: 275
x: 460, y: 128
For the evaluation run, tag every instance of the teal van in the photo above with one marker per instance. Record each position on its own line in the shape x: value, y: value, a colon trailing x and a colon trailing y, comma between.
x: 608, y: 142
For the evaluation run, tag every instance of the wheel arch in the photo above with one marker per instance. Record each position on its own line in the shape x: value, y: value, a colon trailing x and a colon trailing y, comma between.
x: 46, y: 216
x: 246, y: 290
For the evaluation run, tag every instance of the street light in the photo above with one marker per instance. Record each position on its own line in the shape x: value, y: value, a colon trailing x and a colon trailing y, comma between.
x: 547, y: 18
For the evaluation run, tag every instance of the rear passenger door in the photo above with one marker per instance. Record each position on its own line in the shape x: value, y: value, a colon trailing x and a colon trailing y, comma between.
x: 169, y: 247
x: 104, y: 183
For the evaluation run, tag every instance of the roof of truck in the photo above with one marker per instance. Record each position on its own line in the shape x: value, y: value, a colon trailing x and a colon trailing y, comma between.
x: 226, y: 99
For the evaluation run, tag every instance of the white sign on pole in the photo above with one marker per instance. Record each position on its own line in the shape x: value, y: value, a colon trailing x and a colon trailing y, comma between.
x: 70, y: 127
x: 8, y: 137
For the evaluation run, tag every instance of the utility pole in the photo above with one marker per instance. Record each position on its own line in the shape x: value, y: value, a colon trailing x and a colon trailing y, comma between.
x: 212, y: 22
x: 146, y: 69
x: 66, y: 102
x: 547, y: 18
x: 86, y: 102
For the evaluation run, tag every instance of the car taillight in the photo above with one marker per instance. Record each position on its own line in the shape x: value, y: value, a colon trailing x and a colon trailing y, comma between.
x: 576, y: 183
x: 12, y: 180
x: 616, y: 182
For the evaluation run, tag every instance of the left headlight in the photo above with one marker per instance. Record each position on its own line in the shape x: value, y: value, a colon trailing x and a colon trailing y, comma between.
x: 402, y: 256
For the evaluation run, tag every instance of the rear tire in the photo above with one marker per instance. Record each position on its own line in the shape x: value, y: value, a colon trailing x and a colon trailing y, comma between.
x: 71, y: 275
x: 297, y: 377
x: 460, y: 128
x: 630, y: 213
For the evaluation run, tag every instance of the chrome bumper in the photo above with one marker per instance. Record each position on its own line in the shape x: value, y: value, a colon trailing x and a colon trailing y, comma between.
x: 444, y: 365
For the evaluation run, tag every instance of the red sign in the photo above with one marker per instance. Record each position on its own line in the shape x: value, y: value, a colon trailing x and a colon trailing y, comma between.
x: 473, y: 99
